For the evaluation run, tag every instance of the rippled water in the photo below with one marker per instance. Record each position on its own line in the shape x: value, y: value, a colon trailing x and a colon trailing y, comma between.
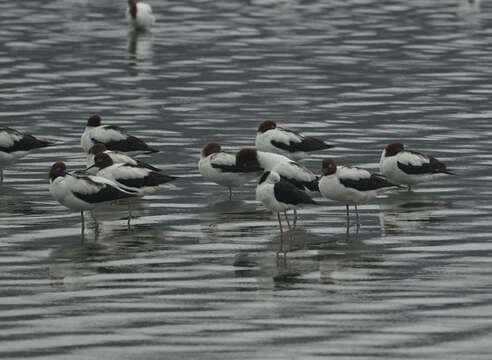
x: 197, y: 276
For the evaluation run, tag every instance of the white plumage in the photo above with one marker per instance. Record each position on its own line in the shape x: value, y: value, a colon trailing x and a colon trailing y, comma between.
x: 139, y: 16
x: 284, y: 141
x: 403, y: 167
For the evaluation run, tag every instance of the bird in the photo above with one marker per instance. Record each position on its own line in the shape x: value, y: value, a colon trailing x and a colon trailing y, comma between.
x: 113, y: 137
x: 14, y: 145
x: 220, y: 167
x: 278, y: 196
x: 404, y: 167
x: 139, y: 16
x: 280, y: 140
x: 117, y: 158
x: 350, y: 185
x: 83, y: 192
x: 252, y: 160
x: 130, y: 176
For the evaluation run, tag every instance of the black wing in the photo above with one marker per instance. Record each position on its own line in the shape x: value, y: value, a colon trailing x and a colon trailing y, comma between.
x: 25, y: 143
x: 434, y: 166
x: 287, y: 193
x: 152, y: 179
x: 106, y: 193
x: 131, y: 143
x: 307, y: 143
x: 373, y: 182
x: 226, y: 168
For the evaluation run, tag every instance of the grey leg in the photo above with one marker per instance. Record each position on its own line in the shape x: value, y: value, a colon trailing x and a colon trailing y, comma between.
x: 357, y: 215
x: 281, y: 234
x: 409, y: 187
x: 83, y: 222
x: 230, y: 193
x: 294, y: 223
x: 1, y: 176
x: 291, y: 231
x: 348, y: 215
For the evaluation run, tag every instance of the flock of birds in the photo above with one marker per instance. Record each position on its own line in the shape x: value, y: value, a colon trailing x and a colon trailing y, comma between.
x: 113, y: 175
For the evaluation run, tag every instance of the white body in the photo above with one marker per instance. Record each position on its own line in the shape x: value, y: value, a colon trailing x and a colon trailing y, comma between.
x: 284, y: 166
x: 389, y: 168
x: 263, y: 142
x: 224, y: 178
x: 7, y: 139
x: 117, y: 172
x: 144, y: 19
x: 265, y: 193
x: 102, y: 134
x: 331, y: 188
x: 116, y: 157
x: 63, y: 187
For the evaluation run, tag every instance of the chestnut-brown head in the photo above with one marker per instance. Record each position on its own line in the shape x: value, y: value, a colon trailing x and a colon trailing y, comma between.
x: 247, y: 160
x: 102, y: 160
x: 210, y: 148
x: 394, y: 148
x: 328, y: 166
x: 94, y: 120
x: 266, y: 125
x: 97, y: 149
x: 57, y: 169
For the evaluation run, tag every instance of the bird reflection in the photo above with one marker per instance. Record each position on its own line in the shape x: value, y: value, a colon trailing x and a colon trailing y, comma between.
x: 139, y: 47
x: 15, y: 202
x: 405, y: 211
x: 71, y: 264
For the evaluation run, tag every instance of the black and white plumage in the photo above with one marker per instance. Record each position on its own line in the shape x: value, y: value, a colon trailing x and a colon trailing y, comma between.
x: 350, y: 185
x: 130, y: 176
x: 220, y: 167
x: 252, y: 160
x: 84, y: 192
x: 14, y: 145
x: 403, y: 167
x: 284, y: 141
x: 116, y: 157
x: 113, y: 137
x: 278, y: 196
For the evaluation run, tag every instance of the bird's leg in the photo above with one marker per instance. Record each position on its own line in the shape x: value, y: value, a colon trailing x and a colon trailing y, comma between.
x: 281, y: 234
x: 294, y: 223
x: 348, y: 215
x: 291, y: 231
x: 357, y: 216
x: 129, y: 215
x: 230, y: 193
x: 1, y: 176
x: 409, y: 187
x: 83, y: 222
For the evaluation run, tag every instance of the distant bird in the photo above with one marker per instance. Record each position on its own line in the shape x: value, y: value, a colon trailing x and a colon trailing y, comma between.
x: 130, y: 176
x: 403, y: 167
x: 15, y: 145
x: 113, y: 137
x: 117, y: 157
x: 350, y: 185
x: 283, y: 141
x: 220, y: 167
x: 139, y: 15
x: 279, y: 195
x: 84, y: 192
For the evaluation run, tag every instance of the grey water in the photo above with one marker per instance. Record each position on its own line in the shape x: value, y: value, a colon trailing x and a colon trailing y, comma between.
x: 197, y: 276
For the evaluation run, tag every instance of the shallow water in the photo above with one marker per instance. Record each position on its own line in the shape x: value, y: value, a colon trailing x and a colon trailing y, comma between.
x: 197, y: 276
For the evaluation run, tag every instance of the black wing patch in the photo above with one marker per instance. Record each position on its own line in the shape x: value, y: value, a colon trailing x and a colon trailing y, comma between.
x: 434, y: 166
x: 303, y: 185
x: 307, y: 143
x: 373, y: 182
x: 131, y: 143
x: 105, y: 193
x: 287, y: 193
x: 152, y: 179
x: 26, y: 143
x: 147, y: 166
x: 226, y: 168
